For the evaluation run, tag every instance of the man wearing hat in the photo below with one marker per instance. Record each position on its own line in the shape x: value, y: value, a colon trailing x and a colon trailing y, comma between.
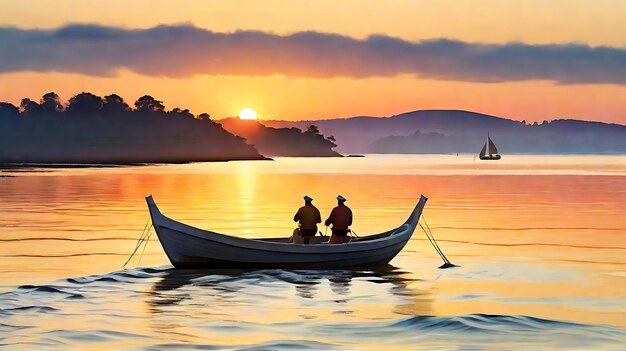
x: 308, y: 216
x: 341, y: 218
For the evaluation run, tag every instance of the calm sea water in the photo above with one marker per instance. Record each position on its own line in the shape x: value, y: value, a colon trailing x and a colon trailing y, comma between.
x: 541, y: 241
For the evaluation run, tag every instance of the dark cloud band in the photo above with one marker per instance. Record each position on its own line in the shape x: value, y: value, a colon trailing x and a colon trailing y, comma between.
x: 185, y: 50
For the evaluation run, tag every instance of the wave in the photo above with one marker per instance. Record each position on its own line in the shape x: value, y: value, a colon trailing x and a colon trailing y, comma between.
x: 10, y: 328
x: 477, y: 328
x: 282, y: 345
x: 472, y: 323
x: 125, y: 276
x: 51, y: 289
x: 169, y: 296
x: 91, y: 336
x: 42, y: 309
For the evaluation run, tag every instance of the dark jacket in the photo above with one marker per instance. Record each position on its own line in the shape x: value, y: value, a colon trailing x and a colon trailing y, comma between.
x: 340, y: 217
x: 308, y: 216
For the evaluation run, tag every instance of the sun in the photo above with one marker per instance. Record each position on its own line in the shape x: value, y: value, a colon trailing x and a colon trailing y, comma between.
x: 247, y: 113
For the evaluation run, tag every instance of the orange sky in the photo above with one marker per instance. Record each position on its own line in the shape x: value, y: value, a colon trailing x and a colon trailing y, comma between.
x: 279, y: 97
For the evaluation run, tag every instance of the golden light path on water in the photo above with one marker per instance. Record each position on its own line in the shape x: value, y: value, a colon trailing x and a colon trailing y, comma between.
x: 539, y: 236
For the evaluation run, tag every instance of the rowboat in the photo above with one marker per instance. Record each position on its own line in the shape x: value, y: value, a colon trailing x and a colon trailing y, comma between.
x: 190, y: 247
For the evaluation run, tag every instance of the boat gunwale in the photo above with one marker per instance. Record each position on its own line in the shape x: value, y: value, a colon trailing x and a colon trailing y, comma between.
x: 300, y: 247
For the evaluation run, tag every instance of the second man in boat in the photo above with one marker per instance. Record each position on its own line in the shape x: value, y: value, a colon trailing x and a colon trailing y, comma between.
x: 341, y: 218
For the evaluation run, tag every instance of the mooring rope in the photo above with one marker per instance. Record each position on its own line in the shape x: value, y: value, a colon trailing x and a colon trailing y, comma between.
x: 139, y: 242
x: 431, y: 238
x: 435, y: 241
x: 144, y: 246
x: 432, y: 243
x: 142, y: 234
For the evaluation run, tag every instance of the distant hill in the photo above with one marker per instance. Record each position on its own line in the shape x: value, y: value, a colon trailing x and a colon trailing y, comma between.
x: 451, y: 131
x: 95, y: 130
x: 282, y: 141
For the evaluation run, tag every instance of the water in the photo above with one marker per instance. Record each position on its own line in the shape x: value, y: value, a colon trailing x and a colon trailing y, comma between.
x: 540, y: 241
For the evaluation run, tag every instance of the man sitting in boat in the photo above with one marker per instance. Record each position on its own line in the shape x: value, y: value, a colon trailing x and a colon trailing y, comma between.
x: 341, y: 218
x: 308, y: 216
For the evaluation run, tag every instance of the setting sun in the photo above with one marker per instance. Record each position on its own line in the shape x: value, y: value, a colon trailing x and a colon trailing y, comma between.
x: 247, y: 113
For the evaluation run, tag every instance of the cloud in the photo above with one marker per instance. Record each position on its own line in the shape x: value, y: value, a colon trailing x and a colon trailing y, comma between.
x: 185, y: 50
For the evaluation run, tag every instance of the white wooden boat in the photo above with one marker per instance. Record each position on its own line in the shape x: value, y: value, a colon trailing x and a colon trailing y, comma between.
x: 189, y: 247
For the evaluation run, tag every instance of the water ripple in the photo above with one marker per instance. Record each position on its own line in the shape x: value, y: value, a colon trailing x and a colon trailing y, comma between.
x: 51, y: 289
x: 188, y: 307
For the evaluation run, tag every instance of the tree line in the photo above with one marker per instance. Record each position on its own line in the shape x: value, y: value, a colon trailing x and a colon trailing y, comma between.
x: 93, y: 129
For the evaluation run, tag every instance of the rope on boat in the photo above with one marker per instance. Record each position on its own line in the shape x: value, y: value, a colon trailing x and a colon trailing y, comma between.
x: 144, y: 246
x: 350, y: 231
x: 431, y: 238
x: 434, y: 243
x: 143, y: 232
x: 142, y: 238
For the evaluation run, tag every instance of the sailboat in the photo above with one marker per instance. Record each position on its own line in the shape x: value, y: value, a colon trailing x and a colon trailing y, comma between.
x: 490, y: 149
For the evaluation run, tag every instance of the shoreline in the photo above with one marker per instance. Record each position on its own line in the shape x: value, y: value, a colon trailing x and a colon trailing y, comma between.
x: 22, y: 165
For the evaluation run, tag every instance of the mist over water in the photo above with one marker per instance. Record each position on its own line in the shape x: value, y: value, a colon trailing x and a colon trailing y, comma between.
x: 540, y: 241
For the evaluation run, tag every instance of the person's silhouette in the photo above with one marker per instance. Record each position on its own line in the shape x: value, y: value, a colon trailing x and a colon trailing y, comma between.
x: 341, y: 218
x: 308, y: 216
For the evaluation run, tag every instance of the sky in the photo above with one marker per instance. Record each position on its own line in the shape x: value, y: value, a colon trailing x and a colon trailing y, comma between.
x: 530, y: 60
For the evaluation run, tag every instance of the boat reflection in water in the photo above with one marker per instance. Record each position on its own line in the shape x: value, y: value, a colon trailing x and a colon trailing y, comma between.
x: 334, y: 310
x: 203, y: 292
x: 257, y: 307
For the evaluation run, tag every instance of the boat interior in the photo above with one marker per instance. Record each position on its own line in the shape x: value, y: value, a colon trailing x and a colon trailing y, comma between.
x: 323, y: 239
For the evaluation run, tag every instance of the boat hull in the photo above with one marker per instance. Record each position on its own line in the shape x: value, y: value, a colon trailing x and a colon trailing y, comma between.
x: 493, y: 158
x: 193, y: 252
x: 189, y: 247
